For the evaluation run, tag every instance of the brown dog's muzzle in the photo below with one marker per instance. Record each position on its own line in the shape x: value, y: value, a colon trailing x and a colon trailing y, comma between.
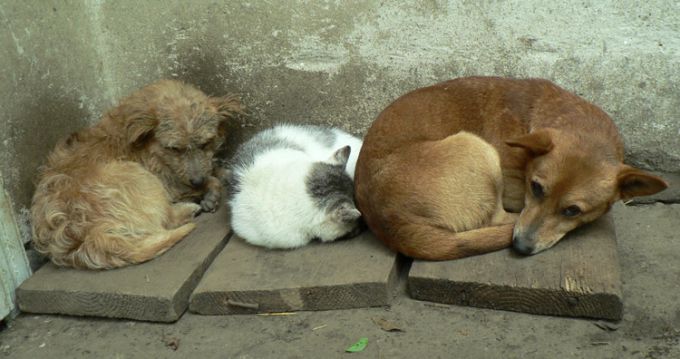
x: 197, y: 182
x: 522, y: 242
x: 539, y: 235
x: 522, y: 247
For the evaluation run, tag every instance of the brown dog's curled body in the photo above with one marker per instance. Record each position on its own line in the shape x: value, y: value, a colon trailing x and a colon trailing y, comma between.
x: 105, y: 197
x: 429, y: 195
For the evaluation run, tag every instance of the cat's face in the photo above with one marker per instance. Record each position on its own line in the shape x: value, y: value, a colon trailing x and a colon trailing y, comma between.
x: 341, y: 222
x: 332, y: 191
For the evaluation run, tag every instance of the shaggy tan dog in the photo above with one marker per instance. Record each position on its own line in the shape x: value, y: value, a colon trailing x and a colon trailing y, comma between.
x: 105, y: 198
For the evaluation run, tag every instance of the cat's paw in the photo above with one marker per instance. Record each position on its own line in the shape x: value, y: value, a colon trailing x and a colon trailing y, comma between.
x: 211, y: 201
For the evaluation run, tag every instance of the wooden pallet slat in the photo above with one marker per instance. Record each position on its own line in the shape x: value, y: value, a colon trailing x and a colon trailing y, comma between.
x: 157, y: 290
x: 579, y: 277
x: 353, y: 273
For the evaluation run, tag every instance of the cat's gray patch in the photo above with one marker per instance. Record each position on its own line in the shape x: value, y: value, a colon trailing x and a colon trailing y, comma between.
x: 247, y: 152
x: 329, y: 186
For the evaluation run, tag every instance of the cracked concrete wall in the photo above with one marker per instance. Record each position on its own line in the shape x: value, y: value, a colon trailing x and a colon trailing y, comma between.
x: 329, y: 62
x: 48, y: 86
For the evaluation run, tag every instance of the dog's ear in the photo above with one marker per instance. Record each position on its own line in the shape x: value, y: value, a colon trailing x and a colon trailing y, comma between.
x: 227, y: 106
x: 140, y: 129
x: 634, y: 182
x: 536, y: 143
x: 139, y: 120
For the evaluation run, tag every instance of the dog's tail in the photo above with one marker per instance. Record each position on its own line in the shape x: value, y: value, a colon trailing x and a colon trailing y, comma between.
x: 103, y: 250
x: 425, y: 241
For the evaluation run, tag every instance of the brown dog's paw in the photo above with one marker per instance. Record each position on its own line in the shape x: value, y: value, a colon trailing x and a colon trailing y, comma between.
x: 184, y: 212
x: 195, y: 209
x: 224, y: 175
x: 211, y: 201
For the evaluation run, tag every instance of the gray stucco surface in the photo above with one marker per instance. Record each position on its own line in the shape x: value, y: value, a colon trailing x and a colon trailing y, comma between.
x: 328, y: 62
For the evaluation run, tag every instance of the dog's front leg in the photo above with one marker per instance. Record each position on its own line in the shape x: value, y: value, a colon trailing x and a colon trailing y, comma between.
x: 513, y: 190
x: 211, y: 199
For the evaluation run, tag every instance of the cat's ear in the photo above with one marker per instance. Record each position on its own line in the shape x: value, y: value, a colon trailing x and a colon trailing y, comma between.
x: 340, y: 156
x: 346, y: 213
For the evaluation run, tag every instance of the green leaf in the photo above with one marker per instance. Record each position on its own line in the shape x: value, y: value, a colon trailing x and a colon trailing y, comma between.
x: 358, y: 346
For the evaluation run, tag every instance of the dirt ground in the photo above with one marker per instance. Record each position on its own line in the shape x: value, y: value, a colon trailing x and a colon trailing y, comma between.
x: 649, y: 252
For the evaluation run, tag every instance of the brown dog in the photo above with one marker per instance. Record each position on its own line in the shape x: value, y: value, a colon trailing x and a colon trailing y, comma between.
x: 105, y: 197
x: 429, y: 195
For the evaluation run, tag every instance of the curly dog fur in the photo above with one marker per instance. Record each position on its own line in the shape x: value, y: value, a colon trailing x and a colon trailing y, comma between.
x: 126, y: 189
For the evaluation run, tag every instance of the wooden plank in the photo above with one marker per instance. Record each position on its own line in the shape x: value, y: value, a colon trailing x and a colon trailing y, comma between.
x: 157, y: 290
x: 579, y: 277
x: 354, y: 273
x: 14, y: 267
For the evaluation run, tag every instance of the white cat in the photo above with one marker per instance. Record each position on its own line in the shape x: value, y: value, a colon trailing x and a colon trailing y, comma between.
x: 291, y: 184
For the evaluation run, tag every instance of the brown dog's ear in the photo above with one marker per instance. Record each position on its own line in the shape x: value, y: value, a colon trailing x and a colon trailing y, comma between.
x: 537, y: 143
x: 139, y: 125
x: 634, y: 182
x: 227, y: 106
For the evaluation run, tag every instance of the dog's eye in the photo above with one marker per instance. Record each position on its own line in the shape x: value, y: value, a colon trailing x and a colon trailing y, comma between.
x: 537, y: 189
x: 174, y: 149
x: 204, y: 145
x: 571, y: 211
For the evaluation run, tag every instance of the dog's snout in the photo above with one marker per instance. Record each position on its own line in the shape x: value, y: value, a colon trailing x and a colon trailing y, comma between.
x: 521, y: 246
x: 197, y: 181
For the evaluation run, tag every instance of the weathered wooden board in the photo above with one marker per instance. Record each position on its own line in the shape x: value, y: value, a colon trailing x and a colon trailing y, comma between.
x: 353, y: 273
x: 579, y: 277
x: 14, y: 268
x: 157, y: 290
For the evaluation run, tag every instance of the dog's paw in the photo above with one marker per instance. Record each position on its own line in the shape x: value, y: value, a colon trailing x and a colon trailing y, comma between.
x: 210, y: 202
x: 184, y: 212
x: 223, y: 175
x: 195, y: 208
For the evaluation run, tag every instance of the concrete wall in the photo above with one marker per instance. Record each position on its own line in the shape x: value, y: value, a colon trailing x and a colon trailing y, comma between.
x: 329, y: 62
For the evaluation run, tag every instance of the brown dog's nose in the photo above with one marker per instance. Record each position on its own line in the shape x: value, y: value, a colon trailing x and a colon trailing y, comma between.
x: 197, y: 181
x: 521, y: 247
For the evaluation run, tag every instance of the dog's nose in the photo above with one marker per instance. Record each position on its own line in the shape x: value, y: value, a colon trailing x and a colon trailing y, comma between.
x: 197, y: 181
x: 521, y: 247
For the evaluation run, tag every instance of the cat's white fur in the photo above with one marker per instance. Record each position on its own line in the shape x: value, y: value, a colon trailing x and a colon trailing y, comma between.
x: 318, y: 151
x: 272, y: 207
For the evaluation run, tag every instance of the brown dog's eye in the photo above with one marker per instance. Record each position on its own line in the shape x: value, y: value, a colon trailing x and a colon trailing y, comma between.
x: 571, y: 211
x: 204, y: 145
x: 174, y: 149
x: 537, y: 189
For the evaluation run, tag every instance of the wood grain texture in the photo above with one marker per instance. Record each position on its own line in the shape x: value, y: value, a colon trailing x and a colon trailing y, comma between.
x: 353, y: 273
x: 579, y: 277
x: 157, y: 290
x: 14, y: 268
